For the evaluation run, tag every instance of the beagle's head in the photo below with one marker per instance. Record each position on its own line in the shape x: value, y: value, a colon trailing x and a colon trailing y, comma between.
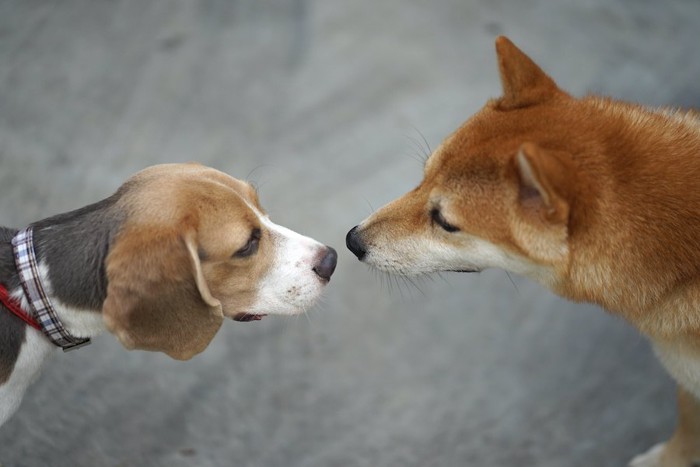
x: 197, y: 247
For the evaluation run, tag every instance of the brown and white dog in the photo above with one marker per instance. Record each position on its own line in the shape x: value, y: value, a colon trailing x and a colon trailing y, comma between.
x: 597, y: 199
x: 161, y: 263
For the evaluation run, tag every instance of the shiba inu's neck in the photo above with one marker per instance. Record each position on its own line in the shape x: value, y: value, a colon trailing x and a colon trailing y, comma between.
x: 640, y: 255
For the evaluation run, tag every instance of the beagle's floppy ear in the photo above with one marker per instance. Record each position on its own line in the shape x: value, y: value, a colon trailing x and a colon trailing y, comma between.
x: 524, y: 83
x: 157, y: 296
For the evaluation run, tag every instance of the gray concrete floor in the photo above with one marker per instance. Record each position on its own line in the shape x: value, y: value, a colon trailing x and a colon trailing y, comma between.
x: 324, y: 104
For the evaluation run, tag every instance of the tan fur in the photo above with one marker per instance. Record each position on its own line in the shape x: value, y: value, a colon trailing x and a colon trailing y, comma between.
x: 186, y: 246
x: 597, y: 199
x: 161, y: 295
x: 683, y: 448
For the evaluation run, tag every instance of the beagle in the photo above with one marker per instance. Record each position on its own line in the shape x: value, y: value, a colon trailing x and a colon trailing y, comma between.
x: 160, y: 264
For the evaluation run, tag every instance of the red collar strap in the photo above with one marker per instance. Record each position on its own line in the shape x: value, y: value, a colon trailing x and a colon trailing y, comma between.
x: 14, y: 306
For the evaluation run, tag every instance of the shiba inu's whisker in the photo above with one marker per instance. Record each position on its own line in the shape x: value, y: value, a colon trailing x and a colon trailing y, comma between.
x: 371, y: 208
x: 391, y: 281
x: 430, y: 151
x: 418, y: 146
x: 397, y: 285
x: 513, y: 282
x: 414, y: 282
x: 381, y: 276
x: 405, y: 283
x: 439, y: 275
x: 417, y: 156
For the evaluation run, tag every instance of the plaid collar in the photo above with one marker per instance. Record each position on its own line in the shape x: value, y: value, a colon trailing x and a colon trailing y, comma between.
x: 39, y: 303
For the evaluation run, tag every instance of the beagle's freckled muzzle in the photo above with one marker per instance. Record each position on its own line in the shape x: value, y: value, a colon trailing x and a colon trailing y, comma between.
x: 323, y: 267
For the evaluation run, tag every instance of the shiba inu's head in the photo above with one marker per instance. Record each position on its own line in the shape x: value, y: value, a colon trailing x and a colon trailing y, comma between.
x: 594, y: 198
x: 496, y: 193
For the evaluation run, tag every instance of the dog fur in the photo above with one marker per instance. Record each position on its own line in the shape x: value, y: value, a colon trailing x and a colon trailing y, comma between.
x: 160, y: 264
x: 596, y: 199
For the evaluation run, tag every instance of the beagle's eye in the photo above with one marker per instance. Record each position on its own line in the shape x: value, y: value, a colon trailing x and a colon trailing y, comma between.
x: 436, y: 217
x: 251, y: 247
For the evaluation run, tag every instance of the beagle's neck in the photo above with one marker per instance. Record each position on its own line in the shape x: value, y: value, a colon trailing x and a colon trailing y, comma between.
x: 70, y: 249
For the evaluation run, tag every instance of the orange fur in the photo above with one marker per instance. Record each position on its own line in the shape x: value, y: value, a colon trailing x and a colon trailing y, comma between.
x: 597, y: 199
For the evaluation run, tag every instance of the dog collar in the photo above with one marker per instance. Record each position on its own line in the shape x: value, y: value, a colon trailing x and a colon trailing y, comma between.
x: 40, y: 306
x: 13, y: 305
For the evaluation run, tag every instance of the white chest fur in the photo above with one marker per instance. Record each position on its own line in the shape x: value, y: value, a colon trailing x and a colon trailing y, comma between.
x: 37, y: 347
x: 27, y: 368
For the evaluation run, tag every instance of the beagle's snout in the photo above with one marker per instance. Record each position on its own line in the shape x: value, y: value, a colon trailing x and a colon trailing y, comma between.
x: 355, y: 244
x: 325, y: 267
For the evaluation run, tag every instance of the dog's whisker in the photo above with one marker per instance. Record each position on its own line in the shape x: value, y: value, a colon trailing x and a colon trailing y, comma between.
x: 414, y: 282
x: 517, y: 291
x: 441, y: 276
x: 419, y: 155
x: 421, y: 144
x: 430, y: 151
x: 386, y: 283
x: 398, y: 286
x: 417, y: 143
x: 427, y: 145
x: 406, y: 284
x: 371, y: 208
x: 252, y: 171
x: 305, y: 312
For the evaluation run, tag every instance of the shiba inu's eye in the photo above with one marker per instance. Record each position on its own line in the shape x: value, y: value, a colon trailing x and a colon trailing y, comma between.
x: 436, y: 217
x: 251, y: 247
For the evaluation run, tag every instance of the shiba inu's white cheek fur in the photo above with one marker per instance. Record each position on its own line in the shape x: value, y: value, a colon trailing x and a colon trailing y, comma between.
x: 418, y: 255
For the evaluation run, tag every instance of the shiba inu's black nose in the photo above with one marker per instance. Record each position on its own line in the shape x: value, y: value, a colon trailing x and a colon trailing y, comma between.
x: 354, y: 243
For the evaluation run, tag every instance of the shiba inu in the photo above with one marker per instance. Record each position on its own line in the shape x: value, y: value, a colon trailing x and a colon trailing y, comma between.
x: 596, y: 199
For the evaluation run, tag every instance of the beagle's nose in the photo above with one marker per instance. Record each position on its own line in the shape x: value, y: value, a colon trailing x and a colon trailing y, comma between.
x: 354, y: 243
x: 324, y: 269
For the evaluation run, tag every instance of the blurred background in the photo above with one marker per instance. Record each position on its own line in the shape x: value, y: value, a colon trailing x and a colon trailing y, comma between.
x: 328, y: 107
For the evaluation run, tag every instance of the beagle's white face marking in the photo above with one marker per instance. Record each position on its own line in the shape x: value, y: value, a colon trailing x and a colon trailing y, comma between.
x: 202, y: 249
x: 290, y: 286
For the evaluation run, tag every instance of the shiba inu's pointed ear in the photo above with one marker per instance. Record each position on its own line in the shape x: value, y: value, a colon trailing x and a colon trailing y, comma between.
x: 524, y: 83
x: 544, y: 179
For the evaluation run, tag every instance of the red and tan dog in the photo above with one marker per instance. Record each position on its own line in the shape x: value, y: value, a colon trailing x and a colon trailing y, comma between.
x: 598, y: 200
